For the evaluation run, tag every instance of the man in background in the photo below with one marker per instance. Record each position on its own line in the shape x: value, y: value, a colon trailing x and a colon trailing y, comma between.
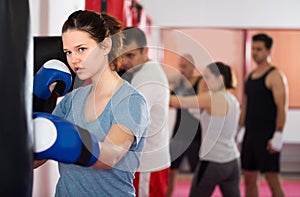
x: 149, y: 78
x: 264, y: 116
x: 186, y: 135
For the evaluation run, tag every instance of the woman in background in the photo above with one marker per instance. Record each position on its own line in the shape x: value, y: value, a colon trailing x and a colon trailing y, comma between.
x: 219, y: 162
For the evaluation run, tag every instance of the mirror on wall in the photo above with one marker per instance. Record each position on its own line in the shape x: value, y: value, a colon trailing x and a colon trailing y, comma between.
x: 233, y: 46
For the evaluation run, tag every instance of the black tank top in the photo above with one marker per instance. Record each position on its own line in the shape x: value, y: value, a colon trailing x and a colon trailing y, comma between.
x: 185, y: 123
x: 261, y: 109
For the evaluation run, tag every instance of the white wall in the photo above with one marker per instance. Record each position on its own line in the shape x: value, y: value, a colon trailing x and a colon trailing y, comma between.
x: 292, y: 127
x: 178, y: 13
x: 229, y: 13
x: 48, y: 16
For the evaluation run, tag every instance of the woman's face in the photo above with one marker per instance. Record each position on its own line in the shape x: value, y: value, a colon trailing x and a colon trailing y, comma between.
x: 213, y: 82
x: 84, y: 55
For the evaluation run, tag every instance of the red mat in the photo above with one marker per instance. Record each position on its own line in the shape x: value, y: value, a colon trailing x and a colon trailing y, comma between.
x: 291, y: 189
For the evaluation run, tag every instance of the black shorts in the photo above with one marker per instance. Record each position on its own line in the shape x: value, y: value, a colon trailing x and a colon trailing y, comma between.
x: 255, y: 157
x: 192, y: 154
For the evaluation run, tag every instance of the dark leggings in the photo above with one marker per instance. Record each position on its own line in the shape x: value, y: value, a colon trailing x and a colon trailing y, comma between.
x: 210, y: 174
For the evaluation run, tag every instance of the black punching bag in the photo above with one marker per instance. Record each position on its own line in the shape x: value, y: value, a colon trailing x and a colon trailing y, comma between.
x: 15, y: 144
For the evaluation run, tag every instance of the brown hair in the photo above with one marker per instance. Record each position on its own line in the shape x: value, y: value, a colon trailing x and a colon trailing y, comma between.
x: 134, y: 34
x: 219, y: 68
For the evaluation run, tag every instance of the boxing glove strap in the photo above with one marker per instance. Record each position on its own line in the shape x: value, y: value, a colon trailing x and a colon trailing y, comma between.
x: 86, y: 153
x: 60, y: 88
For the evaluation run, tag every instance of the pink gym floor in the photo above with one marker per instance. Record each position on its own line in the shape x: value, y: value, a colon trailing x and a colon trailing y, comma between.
x: 290, y: 184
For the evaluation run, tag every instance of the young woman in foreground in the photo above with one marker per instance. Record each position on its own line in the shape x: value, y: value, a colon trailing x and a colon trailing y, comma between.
x: 109, y: 109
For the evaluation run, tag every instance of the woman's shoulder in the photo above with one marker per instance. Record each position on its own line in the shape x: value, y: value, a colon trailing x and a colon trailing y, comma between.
x: 232, y: 99
x: 127, y: 91
x: 81, y: 90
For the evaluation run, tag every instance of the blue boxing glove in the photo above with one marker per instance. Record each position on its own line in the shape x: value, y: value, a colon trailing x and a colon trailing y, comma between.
x: 52, y: 71
x: 58, y: 139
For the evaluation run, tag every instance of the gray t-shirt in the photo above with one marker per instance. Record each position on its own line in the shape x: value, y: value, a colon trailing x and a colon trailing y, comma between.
x: 127, y: 107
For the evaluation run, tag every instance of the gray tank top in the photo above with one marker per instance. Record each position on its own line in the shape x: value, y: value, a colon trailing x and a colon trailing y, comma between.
x: 218, y: 133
